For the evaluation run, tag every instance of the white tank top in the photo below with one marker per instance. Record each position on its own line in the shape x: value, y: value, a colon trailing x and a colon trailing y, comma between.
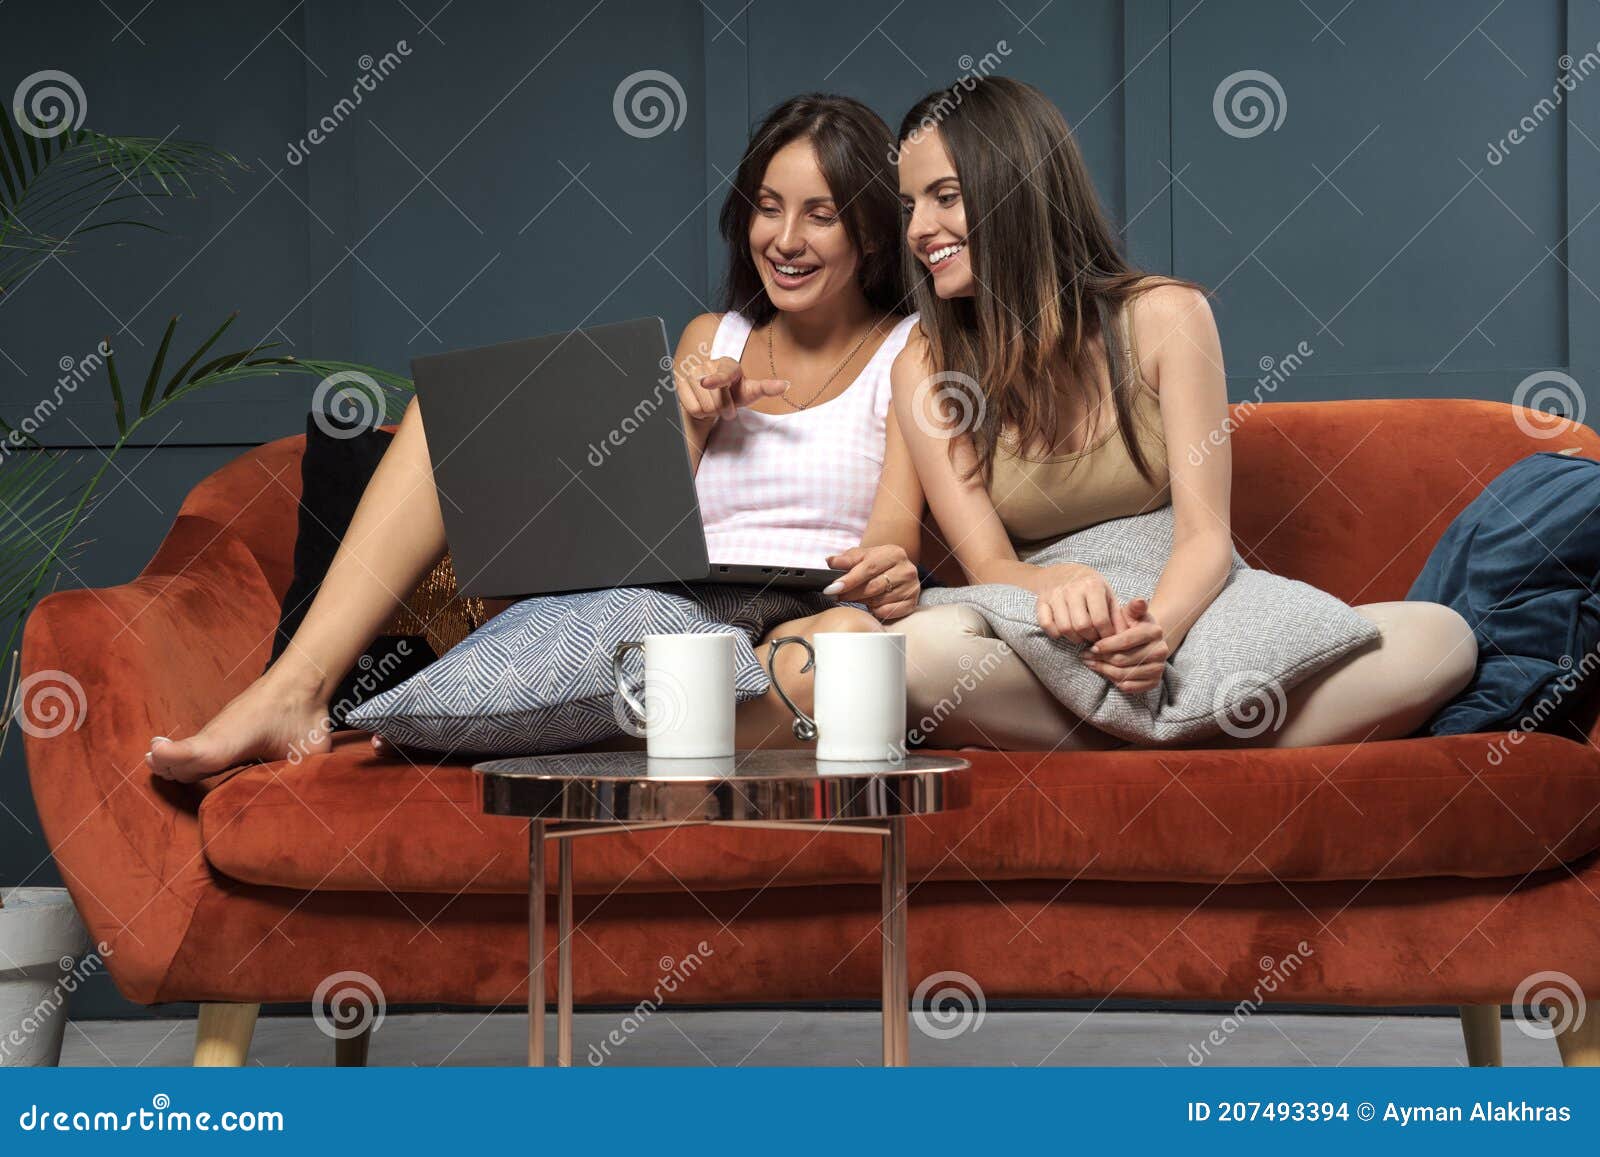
x: 792, y: 489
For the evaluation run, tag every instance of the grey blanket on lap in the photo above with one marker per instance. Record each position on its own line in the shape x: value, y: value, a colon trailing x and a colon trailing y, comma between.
x: 1261, y: 635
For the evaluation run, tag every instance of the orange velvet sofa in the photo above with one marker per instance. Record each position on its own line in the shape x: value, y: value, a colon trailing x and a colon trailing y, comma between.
x: 1410, y: 872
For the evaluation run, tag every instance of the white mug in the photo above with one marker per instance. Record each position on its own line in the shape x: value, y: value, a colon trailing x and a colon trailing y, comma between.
x: 860, y: 694
x: 698, y: 768
x: 688, y: 703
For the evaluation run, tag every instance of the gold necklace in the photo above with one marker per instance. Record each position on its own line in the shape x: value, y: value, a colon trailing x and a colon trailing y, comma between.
x: 772, y: 325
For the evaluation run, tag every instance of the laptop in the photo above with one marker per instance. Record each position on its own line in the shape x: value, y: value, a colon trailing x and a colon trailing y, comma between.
x: 561, y: 465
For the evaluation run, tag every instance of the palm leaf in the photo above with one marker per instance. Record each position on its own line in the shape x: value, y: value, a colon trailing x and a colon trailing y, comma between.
x: 55, y: 190
x: 41, y: 507
x: 153, y: 379
x: 200, y: 352
x: 35, y: 519
x: 119, y: 407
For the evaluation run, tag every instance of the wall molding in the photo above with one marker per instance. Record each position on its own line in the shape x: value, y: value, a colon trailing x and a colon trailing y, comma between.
x: 727, y: 117
x: 1582, y: 161
x: 1147, y: 133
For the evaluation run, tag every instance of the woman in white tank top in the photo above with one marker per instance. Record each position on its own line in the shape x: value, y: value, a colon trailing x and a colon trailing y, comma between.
x: 797, y: 488
x: 786, y: 397
x: 812, y: 471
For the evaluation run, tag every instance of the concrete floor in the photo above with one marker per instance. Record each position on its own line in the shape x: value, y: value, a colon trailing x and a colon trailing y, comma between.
x: 793, y: 1037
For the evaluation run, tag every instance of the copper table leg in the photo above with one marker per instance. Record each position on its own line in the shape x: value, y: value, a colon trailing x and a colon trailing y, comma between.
x: 896, y: 1012
x: 564, y: 955
x: 536, y: 942
x: 895, y: 992
x: 593, y: 793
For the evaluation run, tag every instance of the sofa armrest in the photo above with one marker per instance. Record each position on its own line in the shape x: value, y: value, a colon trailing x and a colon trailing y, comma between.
x: 156, y: 656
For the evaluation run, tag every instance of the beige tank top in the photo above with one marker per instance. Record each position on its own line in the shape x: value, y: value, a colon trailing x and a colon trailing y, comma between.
x: 1041, y: 499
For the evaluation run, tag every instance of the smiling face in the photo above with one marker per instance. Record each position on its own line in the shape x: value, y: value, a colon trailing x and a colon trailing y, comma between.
x: 798, y: 241
x: 937, y: 227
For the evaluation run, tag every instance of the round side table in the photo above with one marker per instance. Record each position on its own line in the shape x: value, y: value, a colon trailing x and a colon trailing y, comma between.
x: 590, y: 793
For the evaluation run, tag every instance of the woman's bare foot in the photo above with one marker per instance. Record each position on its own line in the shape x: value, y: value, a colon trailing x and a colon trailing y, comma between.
x: 265, y: 721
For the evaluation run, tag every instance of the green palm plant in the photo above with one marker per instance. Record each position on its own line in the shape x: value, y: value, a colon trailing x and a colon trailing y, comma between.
x: 56, y: 187
x: 40, y: 508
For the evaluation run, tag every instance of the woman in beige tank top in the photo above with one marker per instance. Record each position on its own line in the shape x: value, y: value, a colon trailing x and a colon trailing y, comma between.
x: 1093, y: 377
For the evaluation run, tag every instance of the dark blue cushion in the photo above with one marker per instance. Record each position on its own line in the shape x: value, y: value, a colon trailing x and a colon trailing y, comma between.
x: 1520, y: 564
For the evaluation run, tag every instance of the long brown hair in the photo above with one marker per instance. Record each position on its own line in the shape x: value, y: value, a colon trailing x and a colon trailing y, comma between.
x: 1041, y: 248
x: 853, y: 148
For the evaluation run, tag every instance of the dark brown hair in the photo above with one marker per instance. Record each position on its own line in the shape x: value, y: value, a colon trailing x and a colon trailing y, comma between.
x: 853, y: 148
x: 1040, y: 247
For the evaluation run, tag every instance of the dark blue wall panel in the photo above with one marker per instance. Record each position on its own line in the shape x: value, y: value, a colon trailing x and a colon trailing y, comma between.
x: 1369, y: 220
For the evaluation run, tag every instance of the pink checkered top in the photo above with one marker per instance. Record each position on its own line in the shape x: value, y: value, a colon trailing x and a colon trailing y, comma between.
x: 792, y: 489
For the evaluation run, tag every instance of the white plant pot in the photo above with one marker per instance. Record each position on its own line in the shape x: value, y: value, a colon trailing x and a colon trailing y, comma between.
x: 41, y: 938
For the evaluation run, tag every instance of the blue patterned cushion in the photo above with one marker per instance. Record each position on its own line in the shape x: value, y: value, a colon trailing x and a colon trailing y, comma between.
x: 536, y: 678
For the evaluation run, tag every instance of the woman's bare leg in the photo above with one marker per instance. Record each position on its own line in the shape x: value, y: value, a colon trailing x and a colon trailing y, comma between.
x: 966, y: 688
x: 1384, y: 691
x: 396, y: 534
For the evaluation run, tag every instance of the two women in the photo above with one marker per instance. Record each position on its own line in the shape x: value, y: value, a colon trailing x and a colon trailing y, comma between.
x: 1091, y: 379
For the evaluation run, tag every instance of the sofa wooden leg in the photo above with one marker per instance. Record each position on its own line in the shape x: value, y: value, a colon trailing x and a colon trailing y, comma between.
x: 1580, y: 1046
x: 1480, y: 1025
x: 351, y: 1052
x: 222, y: 1035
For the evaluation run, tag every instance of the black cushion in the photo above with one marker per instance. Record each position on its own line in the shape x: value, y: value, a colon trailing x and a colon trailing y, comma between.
x: 338, y: 462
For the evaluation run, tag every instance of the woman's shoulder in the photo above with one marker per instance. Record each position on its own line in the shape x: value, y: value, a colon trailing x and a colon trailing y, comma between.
x: 1163, y: 300
x: 702, y: 333
x: 705, y: 323
x: 913, y: 361
x: 916, y: 349
x: 1159, y: 310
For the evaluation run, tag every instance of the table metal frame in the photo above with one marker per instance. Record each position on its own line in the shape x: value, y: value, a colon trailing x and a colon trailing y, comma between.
x: 567, y: 797
x: 895, y: 987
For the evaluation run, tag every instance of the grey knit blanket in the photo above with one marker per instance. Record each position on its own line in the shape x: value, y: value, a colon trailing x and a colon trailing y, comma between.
x: 1261, y: 635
